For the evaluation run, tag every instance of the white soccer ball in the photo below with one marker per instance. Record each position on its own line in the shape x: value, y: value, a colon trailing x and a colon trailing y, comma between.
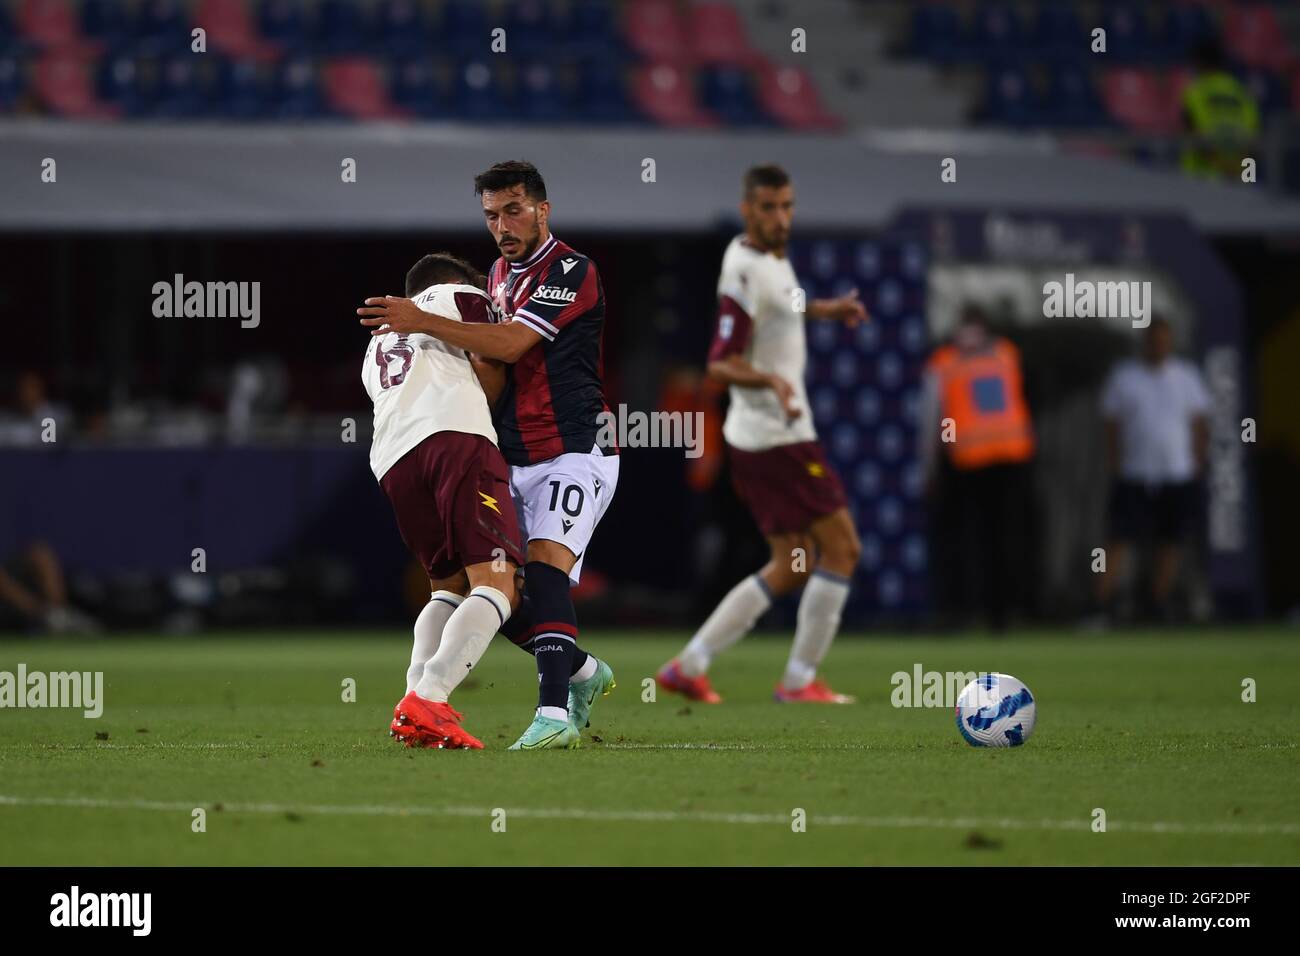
x: 995, y: 710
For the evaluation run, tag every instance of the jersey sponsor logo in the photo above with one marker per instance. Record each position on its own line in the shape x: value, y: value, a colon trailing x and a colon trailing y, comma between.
x: 568, y: 264
x: 553, y: 293
x: 489, y: 502
x: 726, y: 325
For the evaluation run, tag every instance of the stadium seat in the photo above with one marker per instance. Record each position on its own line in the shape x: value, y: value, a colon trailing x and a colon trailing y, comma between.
x: 103, y: 23
x: 718, y: 36
x: 231, y: 30
x: 296, y: 90
x: 656, y: 32
x: 63, y: 86
x: 530, y: 29
x: 542, y: 98
x: 602, y: 92
x: 178, y: 93
x: 479, y: 93
x: 413, y: 87
x: 664, y: 92
x: 997, y: 31
x: 1009, y: 96
x: 463, y: 25
x: 13, y: 82
x: 937, y: 32
x: 1269, y: 91
x: 1070, y: 97
x: 120, y: 83
x: 340, y: 28
x: 1186, y: 26
x: 1128, y: 35
x: 281, y: 23
x: 355, y: 87
x: 240, y: 90
x: 727, y: 93
x: 1139, y: 101
x: 1253, y: 35
x: 401, y: 29
x: 590, y: 30
x: 49, y: 24
x: 789, y: 96
x: 1057, y: 32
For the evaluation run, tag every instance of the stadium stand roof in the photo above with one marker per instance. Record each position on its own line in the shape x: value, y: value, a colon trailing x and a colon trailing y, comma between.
x: 168, y: 176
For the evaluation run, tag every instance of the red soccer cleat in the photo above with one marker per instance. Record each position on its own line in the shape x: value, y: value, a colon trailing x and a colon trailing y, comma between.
x: 670, y: 677
x: 815, y: 693
x: 425, y: 723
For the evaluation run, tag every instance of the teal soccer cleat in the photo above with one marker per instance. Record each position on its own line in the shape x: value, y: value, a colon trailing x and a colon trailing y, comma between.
x: 584, y: 693
x: 547, y: 733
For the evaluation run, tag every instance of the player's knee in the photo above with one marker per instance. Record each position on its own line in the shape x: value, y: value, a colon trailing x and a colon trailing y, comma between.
x: 842, y: 552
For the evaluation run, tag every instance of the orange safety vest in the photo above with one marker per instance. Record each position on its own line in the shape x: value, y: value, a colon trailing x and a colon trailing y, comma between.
x: 982, y: 394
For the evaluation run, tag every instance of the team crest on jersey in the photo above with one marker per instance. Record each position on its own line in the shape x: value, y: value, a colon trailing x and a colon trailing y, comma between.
x: 553, y: 293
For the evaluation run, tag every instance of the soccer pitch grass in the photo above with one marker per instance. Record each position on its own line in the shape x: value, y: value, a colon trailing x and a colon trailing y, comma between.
x: 1149, y: 727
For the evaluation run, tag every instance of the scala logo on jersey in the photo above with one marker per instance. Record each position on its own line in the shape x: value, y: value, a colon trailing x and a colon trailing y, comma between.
x: 553, y: 293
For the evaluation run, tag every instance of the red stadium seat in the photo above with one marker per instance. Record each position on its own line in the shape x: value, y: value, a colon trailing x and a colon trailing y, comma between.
x: 789, y: 96
x: 64, y: 86
x: 718, y: 36
x: 354, y: 87
x: 1253, y: 35
x: 655, y: 30
x: 49, y: 23
x: 1138, y: 100
x: 231, y: 29
x: 664, y: 92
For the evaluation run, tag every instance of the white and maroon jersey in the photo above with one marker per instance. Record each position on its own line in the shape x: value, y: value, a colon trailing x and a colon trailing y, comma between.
x: 554, y: 394
x: 421, y: 385
x: 757, y: 321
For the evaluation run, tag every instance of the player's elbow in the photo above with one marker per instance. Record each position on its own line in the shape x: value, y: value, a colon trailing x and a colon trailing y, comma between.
x: 717, y: 370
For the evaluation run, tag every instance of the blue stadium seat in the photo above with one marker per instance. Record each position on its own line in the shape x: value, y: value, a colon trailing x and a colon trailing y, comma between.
x: 1058, y: 32
x: 281, y: 22
x: 240, y: 92
x: 401, y: 29
x: 1009, y: 98
x: 161, y: 28
x: 340, y: 27
x: 464, y: 26
x: 177, y: 90
x: 120, y: 82
x: 591, y: 30
x: 1070, y: 98
x: 13, y: 81
x: 728, y: 94
x: 938, y: 33
x: 1185, y: 26
x: 479, y: 94
x: 102, y: 20
x: 542, y: 97
x: 997, y: 31
x: 602, y: 92
x: 1270, y: 93
x: 413, y: 86
x: 530, y: 29
x: 296, y: 90
x: 1128, y: 36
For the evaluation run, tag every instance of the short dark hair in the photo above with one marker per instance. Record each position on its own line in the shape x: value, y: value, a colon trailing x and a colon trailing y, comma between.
x: 512, y: 172
x: 439, y: 267
x: 768, y: 174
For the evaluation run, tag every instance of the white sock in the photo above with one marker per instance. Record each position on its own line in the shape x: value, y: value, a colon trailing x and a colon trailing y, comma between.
x: 428, y: 631
x: 555, y: 713
x: 731, y: 620
x: 818, y: 620
x: 464, y: 639
x: 586, y: 671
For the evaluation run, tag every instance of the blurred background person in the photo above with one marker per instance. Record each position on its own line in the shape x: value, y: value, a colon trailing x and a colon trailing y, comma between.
x: 973, y: 406
x: 34, y: 596
x: 1157, y: 440
x: 1221, y: 114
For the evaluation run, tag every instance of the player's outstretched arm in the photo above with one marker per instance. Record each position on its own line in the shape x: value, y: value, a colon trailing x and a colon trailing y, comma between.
x: 506, y: 342
x: 846, y: 308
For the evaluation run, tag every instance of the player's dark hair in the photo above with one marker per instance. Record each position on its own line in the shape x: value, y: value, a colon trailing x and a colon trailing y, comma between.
x: 768, y: 174
x: 439, y: 267
x: 512, y: 172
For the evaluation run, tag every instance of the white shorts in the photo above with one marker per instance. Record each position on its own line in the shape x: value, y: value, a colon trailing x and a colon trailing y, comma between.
x: 564, y: 499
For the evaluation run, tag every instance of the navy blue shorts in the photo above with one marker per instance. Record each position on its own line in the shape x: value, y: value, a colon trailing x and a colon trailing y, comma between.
x: 1165, y: 512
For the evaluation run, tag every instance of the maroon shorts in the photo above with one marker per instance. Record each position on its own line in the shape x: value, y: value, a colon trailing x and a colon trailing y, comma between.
x: 451, y: 496
x: 788, y: 487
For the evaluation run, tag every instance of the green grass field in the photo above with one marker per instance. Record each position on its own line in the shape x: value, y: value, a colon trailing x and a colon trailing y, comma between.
x: 1149, y: 727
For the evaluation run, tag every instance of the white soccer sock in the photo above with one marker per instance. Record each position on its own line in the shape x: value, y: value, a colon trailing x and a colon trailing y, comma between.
x: 586, y: 671
x: 818, y: 620
x: 731, y: 620
x: 464, y: 639
x: 428, y: 632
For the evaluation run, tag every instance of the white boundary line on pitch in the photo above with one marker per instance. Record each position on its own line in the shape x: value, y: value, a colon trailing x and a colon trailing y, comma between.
x: 655, y: 816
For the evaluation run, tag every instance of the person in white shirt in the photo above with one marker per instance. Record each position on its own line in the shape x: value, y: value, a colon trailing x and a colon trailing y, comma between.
x: 777, y: 464
x: 1156, y: 410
